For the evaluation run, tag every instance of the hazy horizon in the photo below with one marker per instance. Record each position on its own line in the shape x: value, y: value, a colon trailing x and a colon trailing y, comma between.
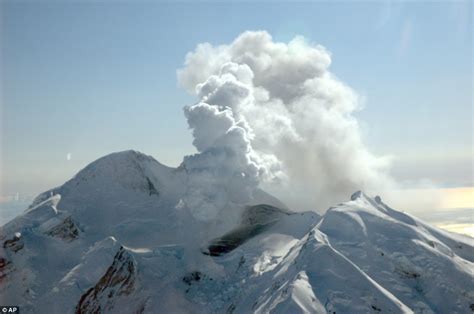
x: 81, y: 80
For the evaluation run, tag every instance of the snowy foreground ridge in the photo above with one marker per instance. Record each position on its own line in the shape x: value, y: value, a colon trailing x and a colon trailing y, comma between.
x: 117, y: 239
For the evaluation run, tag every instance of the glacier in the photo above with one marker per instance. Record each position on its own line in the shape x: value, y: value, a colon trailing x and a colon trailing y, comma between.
x: 117, y: 239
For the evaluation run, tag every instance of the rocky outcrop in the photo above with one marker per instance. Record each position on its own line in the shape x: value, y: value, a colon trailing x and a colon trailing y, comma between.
x: 66, y: 230
x: 119, y: 281
x: 255, y: 220
x: 14, y: 244
x: 5, y: 268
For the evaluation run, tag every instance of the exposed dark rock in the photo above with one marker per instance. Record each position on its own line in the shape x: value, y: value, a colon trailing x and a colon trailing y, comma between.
x: 231, y: 309
x: 356, y: 195
x: 376, y: 308
x: 192, y: 277
x: 241, y: 262
x: 67, y: 230
x: 15, y: 244
x: 233, y: 239
x: 255, y: 220
x: 119, y: 280
x: 5, y: 268
x: 262, y: 214
x: 151, y: 188
x: 408, y: 274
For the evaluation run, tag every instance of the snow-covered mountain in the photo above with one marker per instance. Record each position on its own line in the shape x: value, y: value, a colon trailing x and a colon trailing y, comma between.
x: 117, y: 239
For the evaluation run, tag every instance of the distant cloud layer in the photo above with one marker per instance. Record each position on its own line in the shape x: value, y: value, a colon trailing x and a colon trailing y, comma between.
x: 271, y: 114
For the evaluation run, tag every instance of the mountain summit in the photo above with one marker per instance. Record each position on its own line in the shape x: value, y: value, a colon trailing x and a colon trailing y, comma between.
x: 117, y: 238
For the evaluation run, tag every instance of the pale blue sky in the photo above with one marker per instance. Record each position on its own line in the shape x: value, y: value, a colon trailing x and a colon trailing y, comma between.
x: 90, y: 78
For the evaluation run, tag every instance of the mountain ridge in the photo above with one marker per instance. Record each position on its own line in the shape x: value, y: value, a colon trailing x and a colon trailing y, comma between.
x: 116, y: 238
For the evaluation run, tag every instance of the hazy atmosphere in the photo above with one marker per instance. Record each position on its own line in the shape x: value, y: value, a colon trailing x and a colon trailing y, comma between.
x: 393, y: 84
x: 236, y: 157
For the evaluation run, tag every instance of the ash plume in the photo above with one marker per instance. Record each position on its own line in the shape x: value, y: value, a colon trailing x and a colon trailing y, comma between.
x: 272, y: 115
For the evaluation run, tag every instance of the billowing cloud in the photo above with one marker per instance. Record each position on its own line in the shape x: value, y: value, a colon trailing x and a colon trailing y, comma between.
x: 225, y: 170
x: 271, y: 114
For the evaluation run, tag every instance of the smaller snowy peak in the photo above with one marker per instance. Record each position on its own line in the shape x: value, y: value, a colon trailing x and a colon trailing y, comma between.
x: 414, y: 261
x: 359, y: 195
x: 363, y: 198
x: 376, y: 203
x: 356, y: 195
x: 313, y: 277
x: 362, y: 203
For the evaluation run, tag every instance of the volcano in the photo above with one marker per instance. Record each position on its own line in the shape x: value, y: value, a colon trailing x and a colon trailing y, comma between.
x: 116, y: 238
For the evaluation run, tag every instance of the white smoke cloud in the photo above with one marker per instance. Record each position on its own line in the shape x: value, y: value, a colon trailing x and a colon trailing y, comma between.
x: 225, y: 170
x: 272, y: 114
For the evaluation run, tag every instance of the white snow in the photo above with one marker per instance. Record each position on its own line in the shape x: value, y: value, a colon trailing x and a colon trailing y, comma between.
x: 360, y: 256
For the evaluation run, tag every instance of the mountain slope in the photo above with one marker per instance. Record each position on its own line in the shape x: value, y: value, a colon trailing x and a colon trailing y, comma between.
x: 117, y: 239
x: 423, y: 266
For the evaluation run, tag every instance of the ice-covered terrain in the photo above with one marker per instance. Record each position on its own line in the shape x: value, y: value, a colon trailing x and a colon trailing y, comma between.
x: 118, y: 238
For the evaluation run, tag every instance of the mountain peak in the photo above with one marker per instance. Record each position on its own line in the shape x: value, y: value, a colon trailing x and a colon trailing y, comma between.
x: 124, y: 242
x: 356, y: 195
x: 117, y: 164
x: 129, y: 169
